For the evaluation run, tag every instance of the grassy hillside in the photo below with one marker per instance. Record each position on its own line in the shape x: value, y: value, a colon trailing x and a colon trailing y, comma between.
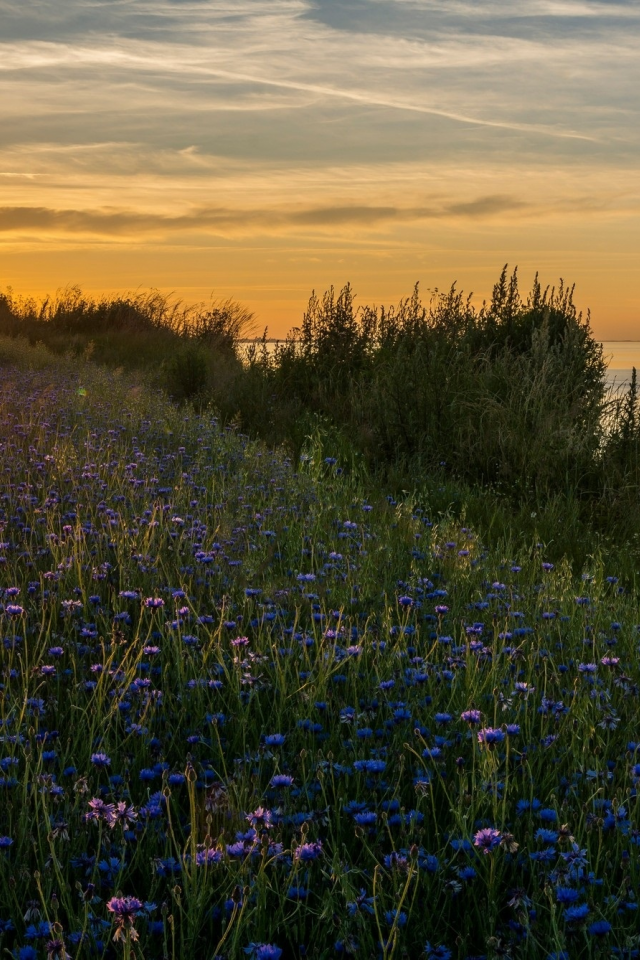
x: 251, y: 707
x: 499, y: 415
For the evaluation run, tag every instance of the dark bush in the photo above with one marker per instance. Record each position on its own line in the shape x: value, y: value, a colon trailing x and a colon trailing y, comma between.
x: 510, y: 394
x: 186, y: 375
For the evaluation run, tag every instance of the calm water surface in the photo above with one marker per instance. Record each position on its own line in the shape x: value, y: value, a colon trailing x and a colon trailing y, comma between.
x: 621, y: 355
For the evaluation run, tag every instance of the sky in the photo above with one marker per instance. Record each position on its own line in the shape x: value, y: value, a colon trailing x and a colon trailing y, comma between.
x: 260, y: 149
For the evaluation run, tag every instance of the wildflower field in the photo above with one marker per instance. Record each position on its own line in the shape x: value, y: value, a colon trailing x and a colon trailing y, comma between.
x: 246, y: 711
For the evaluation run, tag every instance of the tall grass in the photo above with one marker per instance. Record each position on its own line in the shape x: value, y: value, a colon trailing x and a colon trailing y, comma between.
x: 506, y: 403
x: 288, y: 716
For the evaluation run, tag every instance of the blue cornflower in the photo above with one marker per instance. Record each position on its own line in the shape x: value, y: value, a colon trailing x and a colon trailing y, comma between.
x: 437, y: 953
x: 208, y: 856
x: 487, y: 839
x: 354, y: 806
x: 236, y: 849
x: 274, y: 740
x: 27, y: 953
x: 400, y: 919
x: 297, y: 892
x: 490, y: 736
x: 366, y: 819
x: 459, y: 845
x: 548, y: 815
x: 576, y: 857
x: 167, y: 866
x: 37, y: 931
x: 548, y: 855
x: 153, y: 603
x: 260, y: 819
x: 125, y: 909
x: 599, y: 928
x: 587, y: 667
x: 577, y: 913
x: 100, y: 760
x: 396, y: 861
x: 400, y: 714
x: 361, y: 903
x: 308, y: 851
x: 240, y: 642
x: 370, y: 766
x: 471, y: 716
x: 14, y: 610
x: 263, y: 951
x: 442, y: 719
x: 546, y: 836
x: 566, y: 895
x: 280, y: 780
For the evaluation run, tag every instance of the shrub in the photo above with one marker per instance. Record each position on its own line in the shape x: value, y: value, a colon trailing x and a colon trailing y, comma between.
x: 221, y: 325
x: 512, y: 393
x: 186, y: 375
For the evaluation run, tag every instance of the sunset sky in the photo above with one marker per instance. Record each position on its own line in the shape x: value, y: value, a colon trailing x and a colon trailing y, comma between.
x: 261, y: 148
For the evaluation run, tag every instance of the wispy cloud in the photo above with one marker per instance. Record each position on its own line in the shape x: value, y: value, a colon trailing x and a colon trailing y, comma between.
x: 143, y: 121
x: 228, y: 221
x: 470, y: 70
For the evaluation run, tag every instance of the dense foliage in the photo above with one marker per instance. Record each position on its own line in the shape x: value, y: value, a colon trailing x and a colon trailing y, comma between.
x: 505, y: 407
x: 246, y: 711
x: 511, y: 393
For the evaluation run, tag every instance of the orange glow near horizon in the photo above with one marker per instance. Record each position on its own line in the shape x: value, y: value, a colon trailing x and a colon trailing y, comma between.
x: 262, y: 149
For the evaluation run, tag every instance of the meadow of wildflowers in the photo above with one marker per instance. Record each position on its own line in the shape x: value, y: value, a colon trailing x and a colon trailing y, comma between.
x: 247, y: 712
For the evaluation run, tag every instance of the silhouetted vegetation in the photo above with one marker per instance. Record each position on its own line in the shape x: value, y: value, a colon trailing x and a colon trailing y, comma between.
x: 505, y: 407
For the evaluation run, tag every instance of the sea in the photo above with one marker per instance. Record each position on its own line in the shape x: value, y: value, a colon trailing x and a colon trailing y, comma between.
x: 621, y: 357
